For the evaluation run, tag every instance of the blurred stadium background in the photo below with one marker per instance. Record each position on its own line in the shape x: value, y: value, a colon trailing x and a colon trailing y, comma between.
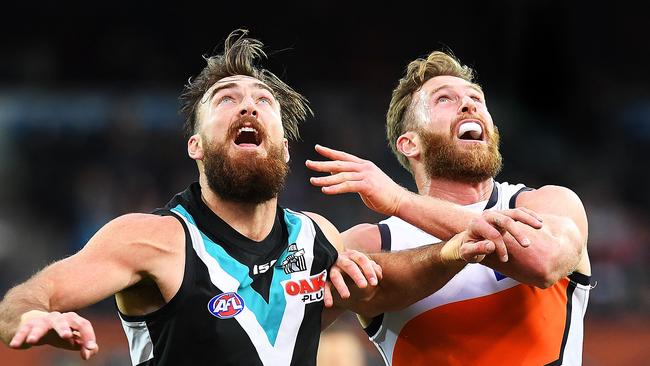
x: 89, y: 127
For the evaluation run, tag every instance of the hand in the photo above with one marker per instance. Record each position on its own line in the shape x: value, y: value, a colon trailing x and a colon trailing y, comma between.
x: 498, y: 226
x: 63, y: 330
x: 350, y: 174
x: 356, y: 265
x: 489, y: 233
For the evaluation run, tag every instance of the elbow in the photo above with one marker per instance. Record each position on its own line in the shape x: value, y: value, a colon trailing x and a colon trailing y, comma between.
x: 547, y: 273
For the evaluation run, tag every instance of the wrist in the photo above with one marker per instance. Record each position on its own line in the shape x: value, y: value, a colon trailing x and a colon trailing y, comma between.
x: 403, y: 202
x: 450, y: 251
x: 26, y: 316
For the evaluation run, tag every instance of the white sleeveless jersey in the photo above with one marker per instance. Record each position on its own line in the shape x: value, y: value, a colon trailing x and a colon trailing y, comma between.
x: 480, y: 317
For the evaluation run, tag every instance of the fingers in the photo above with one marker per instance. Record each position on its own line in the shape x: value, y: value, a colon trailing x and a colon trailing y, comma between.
x: 20, y: 337
x: 335, y: 166
x: 336, y: 278
x: 67, y: 330
x: 336, y: 154
x: 378, y: 270
x: 504, y: 223
x: 335, y: 179
x: 486, y: 227
x: 328, y: 300
x: 474, y: 252
x: 525, y: 216
x: 359, y: 268
x: 85, y: 329
x: 345, y: 187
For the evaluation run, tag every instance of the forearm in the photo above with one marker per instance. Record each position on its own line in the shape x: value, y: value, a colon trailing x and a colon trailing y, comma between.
x: 408, y: 276
x: 437, y: 217
x: 18, y: 301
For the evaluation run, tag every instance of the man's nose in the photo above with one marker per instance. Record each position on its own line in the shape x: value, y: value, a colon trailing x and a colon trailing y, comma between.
x: 248, y: 108
x: 468, y: 105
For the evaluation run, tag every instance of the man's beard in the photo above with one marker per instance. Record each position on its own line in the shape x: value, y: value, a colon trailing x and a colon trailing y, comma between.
x: 443, y: 158
x: 246, y: 178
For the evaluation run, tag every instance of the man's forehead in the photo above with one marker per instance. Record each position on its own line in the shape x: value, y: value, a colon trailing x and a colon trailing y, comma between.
x: 238, y: 79
x: 438, y: 82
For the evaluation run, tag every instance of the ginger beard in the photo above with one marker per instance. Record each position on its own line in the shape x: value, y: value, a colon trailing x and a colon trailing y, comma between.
x: 472, y: 164
x: 246, y: 177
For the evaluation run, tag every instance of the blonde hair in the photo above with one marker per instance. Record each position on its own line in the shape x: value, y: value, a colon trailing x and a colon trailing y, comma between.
x: 400, y: 117
x: 240, y: 57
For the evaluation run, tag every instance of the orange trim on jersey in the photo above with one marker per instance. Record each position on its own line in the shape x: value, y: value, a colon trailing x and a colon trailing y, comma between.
x: 522, y: 325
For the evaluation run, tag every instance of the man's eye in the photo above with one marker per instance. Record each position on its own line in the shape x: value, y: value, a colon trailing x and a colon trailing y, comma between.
x: 225, y: 99
x: 264, y: 100
x: 443, y: 99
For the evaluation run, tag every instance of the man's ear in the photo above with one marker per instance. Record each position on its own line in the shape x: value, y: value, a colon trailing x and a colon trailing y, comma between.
x: 195, y: 147
x: 286, y: 150
x: 409, y: 145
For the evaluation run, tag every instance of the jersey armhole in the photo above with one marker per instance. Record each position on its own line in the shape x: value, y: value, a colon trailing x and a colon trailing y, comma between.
x: 175, y: 302
x: 513, y: 200
x: 384, y: 233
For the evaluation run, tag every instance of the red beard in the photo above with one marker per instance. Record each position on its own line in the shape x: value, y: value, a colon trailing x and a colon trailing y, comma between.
x: 444, y: 159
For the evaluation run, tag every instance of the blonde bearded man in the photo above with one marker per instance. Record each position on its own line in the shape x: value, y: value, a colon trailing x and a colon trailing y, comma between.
x: 522, y: 305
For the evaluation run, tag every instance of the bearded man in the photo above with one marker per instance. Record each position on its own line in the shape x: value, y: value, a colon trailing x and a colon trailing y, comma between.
x: 221, y: 273
x: 523, y: 304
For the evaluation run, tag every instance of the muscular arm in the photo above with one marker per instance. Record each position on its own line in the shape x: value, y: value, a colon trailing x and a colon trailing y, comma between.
x: 558, y: 248
x: 120, y: 255
x: 410, y: 275
x: 553, y: 252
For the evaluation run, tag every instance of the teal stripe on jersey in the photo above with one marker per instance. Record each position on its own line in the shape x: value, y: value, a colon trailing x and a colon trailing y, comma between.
x: 294, y: 223
x: 269, y: 315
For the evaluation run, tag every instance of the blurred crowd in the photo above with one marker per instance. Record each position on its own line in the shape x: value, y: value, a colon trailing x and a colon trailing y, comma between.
x: 71, y: 162
x: 89, y: 128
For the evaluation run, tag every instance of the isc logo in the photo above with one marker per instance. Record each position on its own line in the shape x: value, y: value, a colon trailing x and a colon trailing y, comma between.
x: 309, y: 289
x: 226, y: 305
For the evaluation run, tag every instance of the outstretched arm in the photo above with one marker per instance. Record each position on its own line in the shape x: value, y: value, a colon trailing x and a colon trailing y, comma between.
x: 410, y: 275
x: 554, y: 251
x: 37, y: 311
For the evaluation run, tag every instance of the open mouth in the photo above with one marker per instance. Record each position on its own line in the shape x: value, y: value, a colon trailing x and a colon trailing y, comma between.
x: 470, y: 131
x: 248, y: 136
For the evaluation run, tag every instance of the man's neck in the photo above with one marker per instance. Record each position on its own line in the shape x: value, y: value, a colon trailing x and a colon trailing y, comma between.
x: 254, y: 221
x: 454, y: 191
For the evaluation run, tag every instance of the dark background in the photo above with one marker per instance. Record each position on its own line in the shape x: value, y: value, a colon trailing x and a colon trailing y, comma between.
x: 89, y: 127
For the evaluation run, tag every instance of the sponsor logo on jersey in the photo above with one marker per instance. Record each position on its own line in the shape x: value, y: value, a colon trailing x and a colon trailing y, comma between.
x: 309, y: 289
x: 226, y: 305
x: 263, y: 268
x: 295, y: 261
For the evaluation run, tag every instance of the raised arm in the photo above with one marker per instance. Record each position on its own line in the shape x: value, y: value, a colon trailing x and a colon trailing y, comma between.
x: 552, y: 253
x: 121, y: 254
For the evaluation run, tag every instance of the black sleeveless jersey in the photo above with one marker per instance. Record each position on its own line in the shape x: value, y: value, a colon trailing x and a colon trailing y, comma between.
x: 241, y: 302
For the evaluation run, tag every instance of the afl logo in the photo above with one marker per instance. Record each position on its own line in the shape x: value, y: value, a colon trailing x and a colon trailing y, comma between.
x: 226, y: 305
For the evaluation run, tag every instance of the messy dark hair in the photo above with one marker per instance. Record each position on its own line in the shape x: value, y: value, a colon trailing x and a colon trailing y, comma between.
x: 240, y: 57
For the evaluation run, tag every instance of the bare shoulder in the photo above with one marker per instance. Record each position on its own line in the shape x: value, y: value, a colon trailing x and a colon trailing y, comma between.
x: 551, y: 197
x: 561, y: 202
x: 363, y: 237
x: 331, y: 232
x: 140, y: 232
